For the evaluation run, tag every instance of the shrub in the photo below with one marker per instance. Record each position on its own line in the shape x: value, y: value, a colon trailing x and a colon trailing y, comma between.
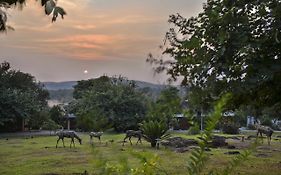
x: 153, y: 130
x: 251, y: 127
x: 194, y: 129
x: 51, y: 125
x: 93, y: 121
x: 230, y: 128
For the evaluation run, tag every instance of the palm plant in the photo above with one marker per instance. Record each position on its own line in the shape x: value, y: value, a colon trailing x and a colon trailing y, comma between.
x: 153, y: 130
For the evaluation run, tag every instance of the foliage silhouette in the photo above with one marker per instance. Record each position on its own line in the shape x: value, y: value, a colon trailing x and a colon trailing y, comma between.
x: 49, y: 6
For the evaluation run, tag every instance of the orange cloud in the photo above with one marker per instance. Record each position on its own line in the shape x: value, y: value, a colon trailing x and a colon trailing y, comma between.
x: 91, y: 38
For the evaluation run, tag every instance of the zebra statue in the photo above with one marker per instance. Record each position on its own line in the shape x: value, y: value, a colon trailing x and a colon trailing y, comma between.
x: 95, y: 134
x: 264, y: 130
x: 68, y: 134
x: 132, y: 133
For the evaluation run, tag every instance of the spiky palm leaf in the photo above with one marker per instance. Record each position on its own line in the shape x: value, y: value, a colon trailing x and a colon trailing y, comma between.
x: 153, y: 130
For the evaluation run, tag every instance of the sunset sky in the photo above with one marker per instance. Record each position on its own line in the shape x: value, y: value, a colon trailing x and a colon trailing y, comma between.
x: 110, y: 37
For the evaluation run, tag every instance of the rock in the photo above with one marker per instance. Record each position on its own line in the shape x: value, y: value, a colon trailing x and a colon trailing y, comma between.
x: 233, y: 137
x: 218, y: 141
x: 179, y: 142
x: 262, y: 155
x: 181, y: 150
x: 250, y: 137
x: 232, y: 152
x: 193, y: 147
x: 231, y: 147
x: 207, y: 149
x: 111, y: 141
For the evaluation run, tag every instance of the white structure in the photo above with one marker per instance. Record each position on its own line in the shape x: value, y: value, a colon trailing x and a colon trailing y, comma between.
x: 250, y: 120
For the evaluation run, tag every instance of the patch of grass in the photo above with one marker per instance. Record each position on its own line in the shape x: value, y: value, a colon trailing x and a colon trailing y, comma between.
x: 38, y: 155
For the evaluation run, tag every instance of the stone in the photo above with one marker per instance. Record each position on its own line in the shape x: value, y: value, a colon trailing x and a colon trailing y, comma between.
x: 231, y: 147
x: 207, y: 149
x: 181, y: 150
x: 218, y: 141
x: 178, y: 142
x: 250, y: 137
x: 232, y: 152
x: 233, y: 137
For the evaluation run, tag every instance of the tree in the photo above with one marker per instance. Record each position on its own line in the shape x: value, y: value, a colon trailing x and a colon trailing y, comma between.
x: 93, y: 120
x: 56, y: 114
x: 20, y: 96
x: 38, y: 119
x: 115, y: 98
x: 49, y: 6
x: 167, y: 105
x: 232, y: 46
x: 51, y: 126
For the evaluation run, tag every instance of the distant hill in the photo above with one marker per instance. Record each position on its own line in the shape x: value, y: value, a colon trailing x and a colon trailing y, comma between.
x: 59, y: 85
x: 61, y: 92
x: 71, y: 84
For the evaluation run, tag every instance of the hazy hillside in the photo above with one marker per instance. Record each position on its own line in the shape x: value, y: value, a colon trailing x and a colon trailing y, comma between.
x: 59, y: 85
x: 61, y: 92
x: 70, y: 84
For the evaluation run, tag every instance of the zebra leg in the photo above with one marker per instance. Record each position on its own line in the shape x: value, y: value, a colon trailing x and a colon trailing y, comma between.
x: 124, y: 140
x: 99, y: 139
x: 73, y: 143
x: 269, y: 139
x: 63, y: 142
x: 138, y: 140
x: 91, y: 140
x: 57, y: 142
x: 130, y: 140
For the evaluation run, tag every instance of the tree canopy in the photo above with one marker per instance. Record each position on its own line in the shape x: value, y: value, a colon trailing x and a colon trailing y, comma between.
x: 232, y: 46
x: 166, y: 106
x: 20, y: 95
x: 115, y: 99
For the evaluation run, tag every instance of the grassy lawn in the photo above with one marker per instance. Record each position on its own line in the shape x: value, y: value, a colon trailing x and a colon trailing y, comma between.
x: 38, y: 155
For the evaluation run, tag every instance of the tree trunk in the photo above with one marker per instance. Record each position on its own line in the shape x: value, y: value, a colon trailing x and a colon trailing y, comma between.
x: 153, y: 144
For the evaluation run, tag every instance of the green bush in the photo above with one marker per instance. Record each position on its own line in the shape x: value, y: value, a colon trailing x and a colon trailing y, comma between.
x: 93, y: 121
x: 230, y: 128
x: 251, y: 127
x: 193, y: 130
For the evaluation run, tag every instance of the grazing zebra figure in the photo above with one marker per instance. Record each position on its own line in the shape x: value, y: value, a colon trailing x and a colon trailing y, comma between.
x: 264, y: 130
x: 95, y: 134
x: 132, y: 133
x: 68, y: 134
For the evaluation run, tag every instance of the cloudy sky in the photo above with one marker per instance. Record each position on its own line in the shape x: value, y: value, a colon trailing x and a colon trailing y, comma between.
x: 109, y: 37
